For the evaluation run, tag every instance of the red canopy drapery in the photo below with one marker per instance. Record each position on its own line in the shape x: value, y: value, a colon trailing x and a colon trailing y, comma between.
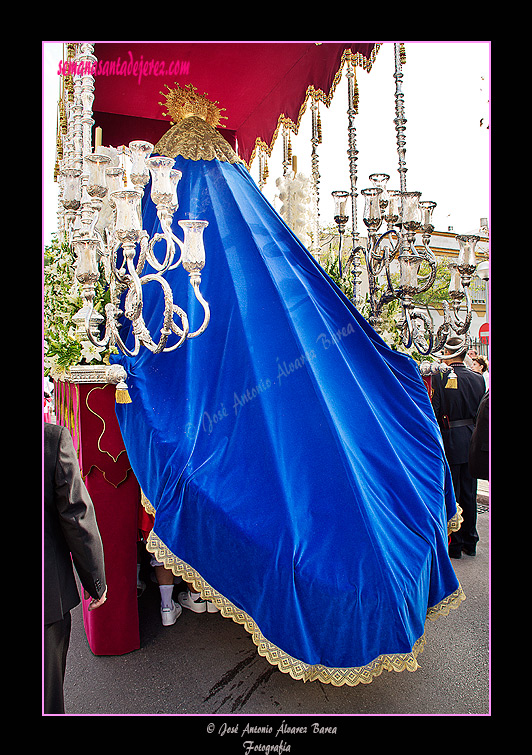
x: 88, y: 411
x: 256, y: 82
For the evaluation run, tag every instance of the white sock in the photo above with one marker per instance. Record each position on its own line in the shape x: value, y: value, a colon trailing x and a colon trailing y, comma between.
x: 166, y: 595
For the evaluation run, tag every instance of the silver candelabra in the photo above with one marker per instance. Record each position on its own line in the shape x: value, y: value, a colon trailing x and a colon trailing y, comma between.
x: 101, y: 193
x: 122, y: 247
x: 406, y: 216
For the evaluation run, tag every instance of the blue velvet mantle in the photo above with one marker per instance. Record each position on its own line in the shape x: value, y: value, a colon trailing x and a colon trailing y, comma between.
x: 293, y: 459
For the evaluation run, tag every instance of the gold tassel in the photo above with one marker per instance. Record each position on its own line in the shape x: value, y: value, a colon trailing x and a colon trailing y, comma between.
x: 122, y: 394
x: 452, y: 380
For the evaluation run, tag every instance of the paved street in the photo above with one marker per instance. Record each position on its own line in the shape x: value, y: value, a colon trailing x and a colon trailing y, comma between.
x: 208, y: 665
x: 205, y: 664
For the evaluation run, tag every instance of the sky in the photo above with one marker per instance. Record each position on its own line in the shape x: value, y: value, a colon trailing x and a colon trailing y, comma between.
x: 446, y: 88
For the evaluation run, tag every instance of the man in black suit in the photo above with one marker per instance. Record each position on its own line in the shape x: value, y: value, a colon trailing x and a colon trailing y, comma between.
x: 71, y: 536
x: 456, y: 398
x: 479, y: 450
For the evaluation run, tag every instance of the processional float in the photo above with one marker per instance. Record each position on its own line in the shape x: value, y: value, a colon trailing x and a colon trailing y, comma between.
x: 309, y: 481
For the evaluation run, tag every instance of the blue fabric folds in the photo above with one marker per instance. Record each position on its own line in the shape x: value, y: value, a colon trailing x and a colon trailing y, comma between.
x: 293, y: 459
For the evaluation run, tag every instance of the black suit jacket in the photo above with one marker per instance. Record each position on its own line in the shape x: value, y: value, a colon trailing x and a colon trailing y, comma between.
x: 452, y: 404
x: 479, y: 450
x: 71, y: 533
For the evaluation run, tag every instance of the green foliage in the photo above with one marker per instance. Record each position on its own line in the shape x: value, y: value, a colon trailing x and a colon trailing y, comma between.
x: 330, y: 264
x: 61, y: 301
x: 391, y: 318
x: 390, y: 321
x: 439, y: 291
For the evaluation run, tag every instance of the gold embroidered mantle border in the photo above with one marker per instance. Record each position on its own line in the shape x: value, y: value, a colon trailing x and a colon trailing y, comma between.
x: 454, y: 524
x: 297, y: 669
x: 194, y: 139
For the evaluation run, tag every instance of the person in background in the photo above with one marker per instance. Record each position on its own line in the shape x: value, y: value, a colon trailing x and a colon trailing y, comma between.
x: 49, y: 415
x: 46, y: 406
x: 479, y: 448
x: 480, y: 364
x: 456, y: 399
x: 170, y: 610
x: 71, y: 539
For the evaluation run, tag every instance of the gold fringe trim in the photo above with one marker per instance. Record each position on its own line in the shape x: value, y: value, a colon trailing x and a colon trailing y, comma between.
x: 146, y: 504
x: 454, y: 524
x: 444, y: 606
x: 319, y: 95
x: 68, y: 411
x: 298, y: 670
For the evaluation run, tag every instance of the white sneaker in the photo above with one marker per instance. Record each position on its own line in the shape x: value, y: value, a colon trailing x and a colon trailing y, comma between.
x: 212, y: 608
x: 198, y: 605
x: 169, y: 615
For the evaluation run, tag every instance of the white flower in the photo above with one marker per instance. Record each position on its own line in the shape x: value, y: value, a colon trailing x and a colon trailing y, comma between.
x: 55, y: 371
x: 90, y: 352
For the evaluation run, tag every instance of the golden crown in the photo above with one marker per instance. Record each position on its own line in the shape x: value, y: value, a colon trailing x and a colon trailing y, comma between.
x: 184, y: 101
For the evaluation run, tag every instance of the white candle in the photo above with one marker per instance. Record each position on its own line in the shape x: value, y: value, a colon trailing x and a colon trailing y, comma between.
x: 97, y: 137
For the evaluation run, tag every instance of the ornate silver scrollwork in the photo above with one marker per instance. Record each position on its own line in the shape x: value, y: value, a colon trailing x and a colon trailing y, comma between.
x: 123, y: 233
x: 406, y: 218
x: 101, y: 216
